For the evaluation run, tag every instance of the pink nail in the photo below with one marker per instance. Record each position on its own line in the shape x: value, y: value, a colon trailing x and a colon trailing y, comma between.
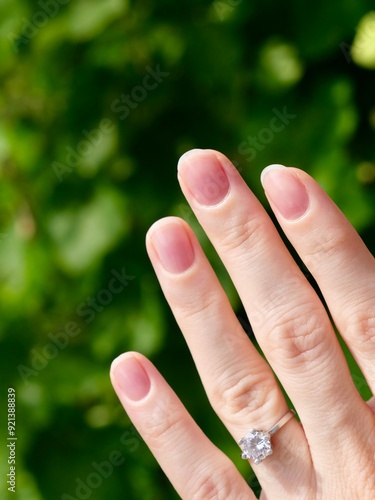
x: 173, y: 246
x: 204, y: 176
x: 132, y: 378
x: 285, y: 191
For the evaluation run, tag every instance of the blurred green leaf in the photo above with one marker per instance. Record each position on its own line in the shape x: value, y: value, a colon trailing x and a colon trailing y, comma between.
x: 102, y: 222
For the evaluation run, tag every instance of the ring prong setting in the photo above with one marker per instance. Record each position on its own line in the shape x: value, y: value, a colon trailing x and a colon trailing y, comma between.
x: 256, y: 445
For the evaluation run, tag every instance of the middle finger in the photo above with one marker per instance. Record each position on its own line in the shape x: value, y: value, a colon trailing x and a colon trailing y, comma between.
x: 287, y: 316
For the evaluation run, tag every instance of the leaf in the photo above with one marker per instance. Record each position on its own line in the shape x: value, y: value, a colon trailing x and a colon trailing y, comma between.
x: 85, y: 235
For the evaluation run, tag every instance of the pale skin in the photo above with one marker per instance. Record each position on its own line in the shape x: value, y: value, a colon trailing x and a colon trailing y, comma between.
x: 332, y: 454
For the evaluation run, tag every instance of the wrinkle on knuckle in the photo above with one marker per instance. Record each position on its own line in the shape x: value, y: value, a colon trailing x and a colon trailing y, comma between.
x: 326, y: 244
x: 242, y: 394
x: 299, y: 335
x: 241, y: 233
x: 270, y: 303
x: 162, y: 427
x: 213, y: 485
x: 361, y: 329
x: 290, y: 283
x: 199, y: 306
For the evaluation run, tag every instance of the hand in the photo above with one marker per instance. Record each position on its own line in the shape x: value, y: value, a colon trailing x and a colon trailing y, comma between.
x: 332, y: 454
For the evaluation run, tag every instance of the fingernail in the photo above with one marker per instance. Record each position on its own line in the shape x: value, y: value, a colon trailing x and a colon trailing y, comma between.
x: 173, y: 246
x: 204, y: 176
x: 132, y: 378
x: 285, y: 191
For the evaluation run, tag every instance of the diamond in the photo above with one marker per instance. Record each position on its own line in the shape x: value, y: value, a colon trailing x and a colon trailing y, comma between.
x: 256, y: 445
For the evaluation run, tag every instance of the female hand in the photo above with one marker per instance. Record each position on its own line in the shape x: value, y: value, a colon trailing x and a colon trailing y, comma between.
x: 332, y: 454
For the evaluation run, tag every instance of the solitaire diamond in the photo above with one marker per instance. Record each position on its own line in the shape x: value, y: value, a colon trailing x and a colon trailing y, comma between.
x: 256, y: 445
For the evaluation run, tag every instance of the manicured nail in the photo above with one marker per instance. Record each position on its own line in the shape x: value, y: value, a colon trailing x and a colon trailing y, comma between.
x: 204, y: 176
x: 285, y: 191
x: 173, y: 246
x: 132, y: 378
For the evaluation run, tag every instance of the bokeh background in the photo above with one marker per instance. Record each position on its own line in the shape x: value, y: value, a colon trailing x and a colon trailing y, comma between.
x: 75, y: 202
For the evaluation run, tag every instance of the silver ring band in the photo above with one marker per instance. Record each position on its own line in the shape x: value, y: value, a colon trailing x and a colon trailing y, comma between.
x: 281, y: 422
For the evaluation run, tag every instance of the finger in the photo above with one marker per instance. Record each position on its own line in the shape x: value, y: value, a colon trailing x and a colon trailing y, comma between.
x: 239, y: 383
x: 195, y: 467
x: 334, y: 253
x: 288, y: 318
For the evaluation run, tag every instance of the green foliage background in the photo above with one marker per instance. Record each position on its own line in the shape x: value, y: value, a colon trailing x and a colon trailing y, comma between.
x: 230, y: 64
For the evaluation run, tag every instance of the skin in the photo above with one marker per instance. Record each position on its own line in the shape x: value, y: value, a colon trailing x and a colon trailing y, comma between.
x: 332, y: 454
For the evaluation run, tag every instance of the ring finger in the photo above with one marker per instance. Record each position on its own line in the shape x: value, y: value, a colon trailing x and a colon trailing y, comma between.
x: 239, y: 383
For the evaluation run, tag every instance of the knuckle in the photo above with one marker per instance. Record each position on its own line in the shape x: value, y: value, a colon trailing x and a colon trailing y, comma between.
x: 299, y: 335
x: 244, y: 393
x: 276, y: 299
x: 326, y: 245
x: 289, y: 283
x: 214, y: 485
x: 196, y: 307
x: 243, y: 233
x: 162, y: 426
x: 361, y: 329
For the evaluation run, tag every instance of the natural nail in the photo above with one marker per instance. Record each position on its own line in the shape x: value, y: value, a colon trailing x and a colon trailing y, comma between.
x: 132, y: 378
x: 204, y: 176
x: 285, y: 191
x: 173, y: 246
